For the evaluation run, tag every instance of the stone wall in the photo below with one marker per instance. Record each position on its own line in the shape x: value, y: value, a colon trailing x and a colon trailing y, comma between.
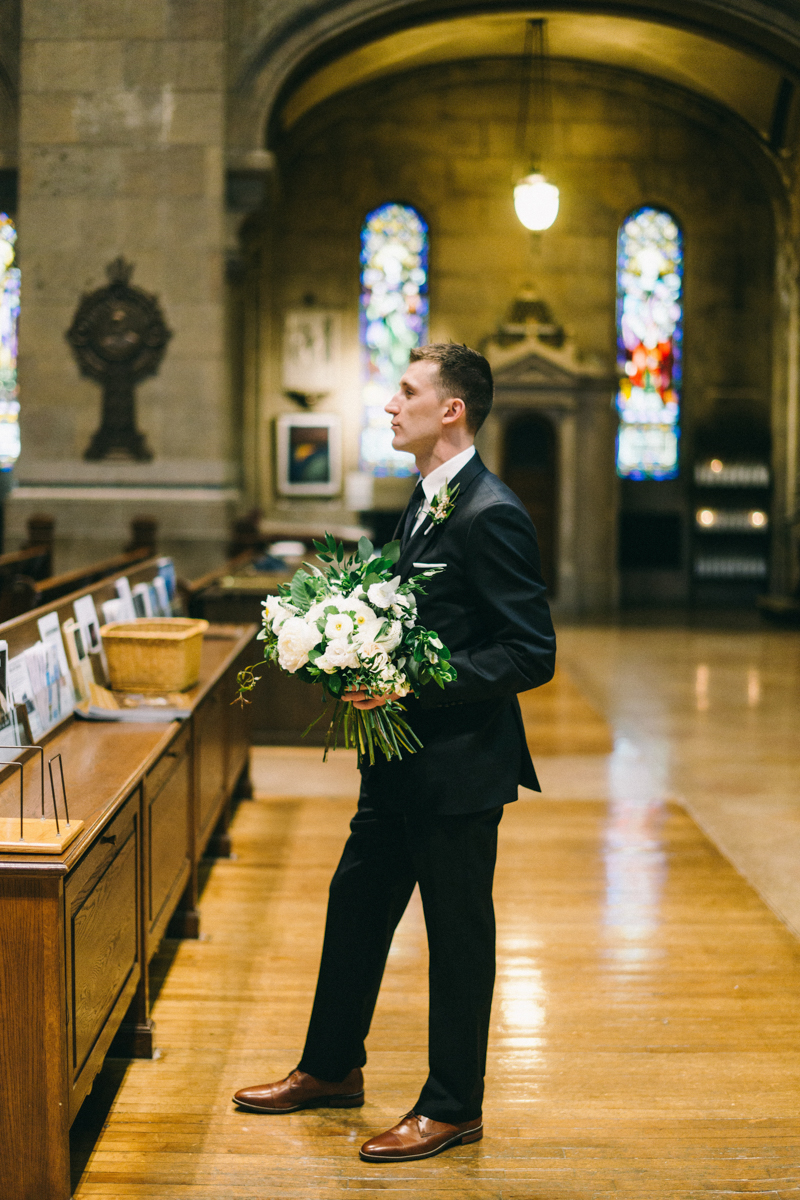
x: 9, y: 81
x: 122, y: 152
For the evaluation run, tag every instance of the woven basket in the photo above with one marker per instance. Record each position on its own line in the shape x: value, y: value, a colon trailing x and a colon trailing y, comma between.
x: 154, y: 654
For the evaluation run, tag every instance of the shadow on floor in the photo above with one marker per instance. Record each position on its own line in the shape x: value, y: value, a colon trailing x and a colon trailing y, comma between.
x: 93, y: 1113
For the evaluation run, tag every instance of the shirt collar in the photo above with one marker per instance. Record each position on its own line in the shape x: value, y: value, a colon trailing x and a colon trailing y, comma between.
x: 435, y: 481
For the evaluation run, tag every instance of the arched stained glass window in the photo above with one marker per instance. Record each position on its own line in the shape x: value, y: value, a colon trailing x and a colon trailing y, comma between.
x: 394, y: 319
x: 9, y: 322
x: 649, y: 333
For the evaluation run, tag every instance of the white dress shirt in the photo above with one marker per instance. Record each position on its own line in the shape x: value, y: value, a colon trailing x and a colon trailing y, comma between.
x: 438, y: 477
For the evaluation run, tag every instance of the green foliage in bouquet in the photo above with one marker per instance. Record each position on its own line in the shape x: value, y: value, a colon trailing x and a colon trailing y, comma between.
x: 352, y: 626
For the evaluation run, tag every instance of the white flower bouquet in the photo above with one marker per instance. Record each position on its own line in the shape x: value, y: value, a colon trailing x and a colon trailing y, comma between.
x: 352, y: 626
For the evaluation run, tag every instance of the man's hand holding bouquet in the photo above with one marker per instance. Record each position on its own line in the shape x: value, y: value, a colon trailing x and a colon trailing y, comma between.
x: 352, y: 626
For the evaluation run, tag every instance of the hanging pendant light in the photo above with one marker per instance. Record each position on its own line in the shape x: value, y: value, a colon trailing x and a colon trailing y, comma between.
x: 536, y: 202
x: 535, y: 199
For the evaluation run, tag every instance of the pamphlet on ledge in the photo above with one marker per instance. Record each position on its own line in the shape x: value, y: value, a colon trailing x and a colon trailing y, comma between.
x: 37, y: 683
x: 10, y: 733
x: 105, y: 705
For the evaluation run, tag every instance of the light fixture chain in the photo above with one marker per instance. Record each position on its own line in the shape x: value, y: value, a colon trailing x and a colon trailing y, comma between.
x: 525, y: 88
x: 534, y: 94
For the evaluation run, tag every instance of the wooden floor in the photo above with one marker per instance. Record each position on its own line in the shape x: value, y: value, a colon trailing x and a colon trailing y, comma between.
x: 560, y: 720
x: 645, y: 1039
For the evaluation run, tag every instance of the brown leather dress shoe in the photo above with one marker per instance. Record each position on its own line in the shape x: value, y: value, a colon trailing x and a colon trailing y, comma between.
x: 419, y: 1137
x: 299, y: 1090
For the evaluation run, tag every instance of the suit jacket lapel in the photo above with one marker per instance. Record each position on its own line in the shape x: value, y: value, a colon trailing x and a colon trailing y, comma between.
x: 421, y: 543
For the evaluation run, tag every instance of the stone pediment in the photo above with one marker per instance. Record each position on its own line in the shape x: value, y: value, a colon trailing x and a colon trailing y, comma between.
x: 533, y: 365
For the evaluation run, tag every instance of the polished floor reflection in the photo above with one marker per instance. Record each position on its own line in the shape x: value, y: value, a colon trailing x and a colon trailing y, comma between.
x: 711, y: 718
x: 645, y: 1028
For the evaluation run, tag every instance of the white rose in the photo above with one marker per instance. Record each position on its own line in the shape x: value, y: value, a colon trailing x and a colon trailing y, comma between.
x: 338, y: 625
x: 373, y: 653
x: 367, y: 623
x: 295, y: 639
x: 339, y: 654
x: 345, y: 603
x: 317, y: 610
x: 357, y: 609
x: 275, y: 612
x: 392, y: 637
x: 383, y: 594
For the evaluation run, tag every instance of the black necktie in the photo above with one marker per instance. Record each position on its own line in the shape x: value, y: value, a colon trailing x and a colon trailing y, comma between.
x: 417, y: 497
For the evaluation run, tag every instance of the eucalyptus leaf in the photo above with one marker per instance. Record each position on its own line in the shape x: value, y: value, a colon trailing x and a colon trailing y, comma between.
x: 298, y: 589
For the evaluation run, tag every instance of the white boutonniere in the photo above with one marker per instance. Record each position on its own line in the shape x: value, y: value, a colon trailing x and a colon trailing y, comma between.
x: 443, y: 504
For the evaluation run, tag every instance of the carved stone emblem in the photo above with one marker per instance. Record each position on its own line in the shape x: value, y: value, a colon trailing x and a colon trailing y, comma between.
x: 118, y: 336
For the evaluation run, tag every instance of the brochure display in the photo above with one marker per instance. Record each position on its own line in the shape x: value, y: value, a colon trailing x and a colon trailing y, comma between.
x: 100, y: 856
x: 67, y: 671
x: 40, y: 834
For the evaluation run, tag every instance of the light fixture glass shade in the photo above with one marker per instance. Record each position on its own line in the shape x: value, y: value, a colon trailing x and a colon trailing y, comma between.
x: 536, y: 202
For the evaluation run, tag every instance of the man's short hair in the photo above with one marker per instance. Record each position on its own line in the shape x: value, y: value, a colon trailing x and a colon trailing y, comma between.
x: 464, y: 373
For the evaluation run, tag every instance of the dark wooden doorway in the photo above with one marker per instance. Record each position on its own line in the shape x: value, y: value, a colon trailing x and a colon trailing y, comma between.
x: 529, y: 469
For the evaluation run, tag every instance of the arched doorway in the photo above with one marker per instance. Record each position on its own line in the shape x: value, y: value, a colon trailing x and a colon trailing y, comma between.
x: 529, y: 469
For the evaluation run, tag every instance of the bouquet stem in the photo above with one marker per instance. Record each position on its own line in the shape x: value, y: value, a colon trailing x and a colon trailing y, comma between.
x: 368, y: 731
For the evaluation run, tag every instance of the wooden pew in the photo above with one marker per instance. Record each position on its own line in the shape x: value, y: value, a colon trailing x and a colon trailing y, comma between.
x: 27, y: 582
x: 78, y: 929
x: 33, y: 561
x: 24, y: 593
x: 191, y: 591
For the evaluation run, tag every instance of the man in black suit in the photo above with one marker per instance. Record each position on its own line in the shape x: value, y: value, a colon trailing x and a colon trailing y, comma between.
x: 431, y: 818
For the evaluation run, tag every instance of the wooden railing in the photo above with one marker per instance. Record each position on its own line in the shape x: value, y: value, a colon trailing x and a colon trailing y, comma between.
x: 34, y: 561
x: 21, y: 593
x: 79, y: 927
x: 26, y: 579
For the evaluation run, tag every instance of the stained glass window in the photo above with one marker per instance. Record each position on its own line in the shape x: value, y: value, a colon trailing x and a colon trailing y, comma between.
x: 649, y: 330
x: 9, y: 321
x: 394, y: 319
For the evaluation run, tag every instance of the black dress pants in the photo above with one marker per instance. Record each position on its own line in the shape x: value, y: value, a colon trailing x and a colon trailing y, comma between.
x: 388, y: 852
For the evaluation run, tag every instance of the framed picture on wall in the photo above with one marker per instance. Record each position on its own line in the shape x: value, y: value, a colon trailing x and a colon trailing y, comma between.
x: 309, y: 454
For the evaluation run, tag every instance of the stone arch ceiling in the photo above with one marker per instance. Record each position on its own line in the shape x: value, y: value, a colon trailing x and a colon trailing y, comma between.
x: 743, y: 82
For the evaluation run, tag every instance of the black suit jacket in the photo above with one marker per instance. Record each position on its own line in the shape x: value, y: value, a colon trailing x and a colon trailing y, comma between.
x: 489, y: 608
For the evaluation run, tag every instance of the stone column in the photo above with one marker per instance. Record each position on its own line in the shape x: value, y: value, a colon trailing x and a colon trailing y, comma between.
x: 122, y: 153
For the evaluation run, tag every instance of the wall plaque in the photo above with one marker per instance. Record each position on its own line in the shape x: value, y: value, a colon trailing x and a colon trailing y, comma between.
x: 311, y: 350
x: 118, y: 336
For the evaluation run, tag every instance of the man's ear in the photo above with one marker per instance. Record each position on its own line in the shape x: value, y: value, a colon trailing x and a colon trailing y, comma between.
x: 456, y: 409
